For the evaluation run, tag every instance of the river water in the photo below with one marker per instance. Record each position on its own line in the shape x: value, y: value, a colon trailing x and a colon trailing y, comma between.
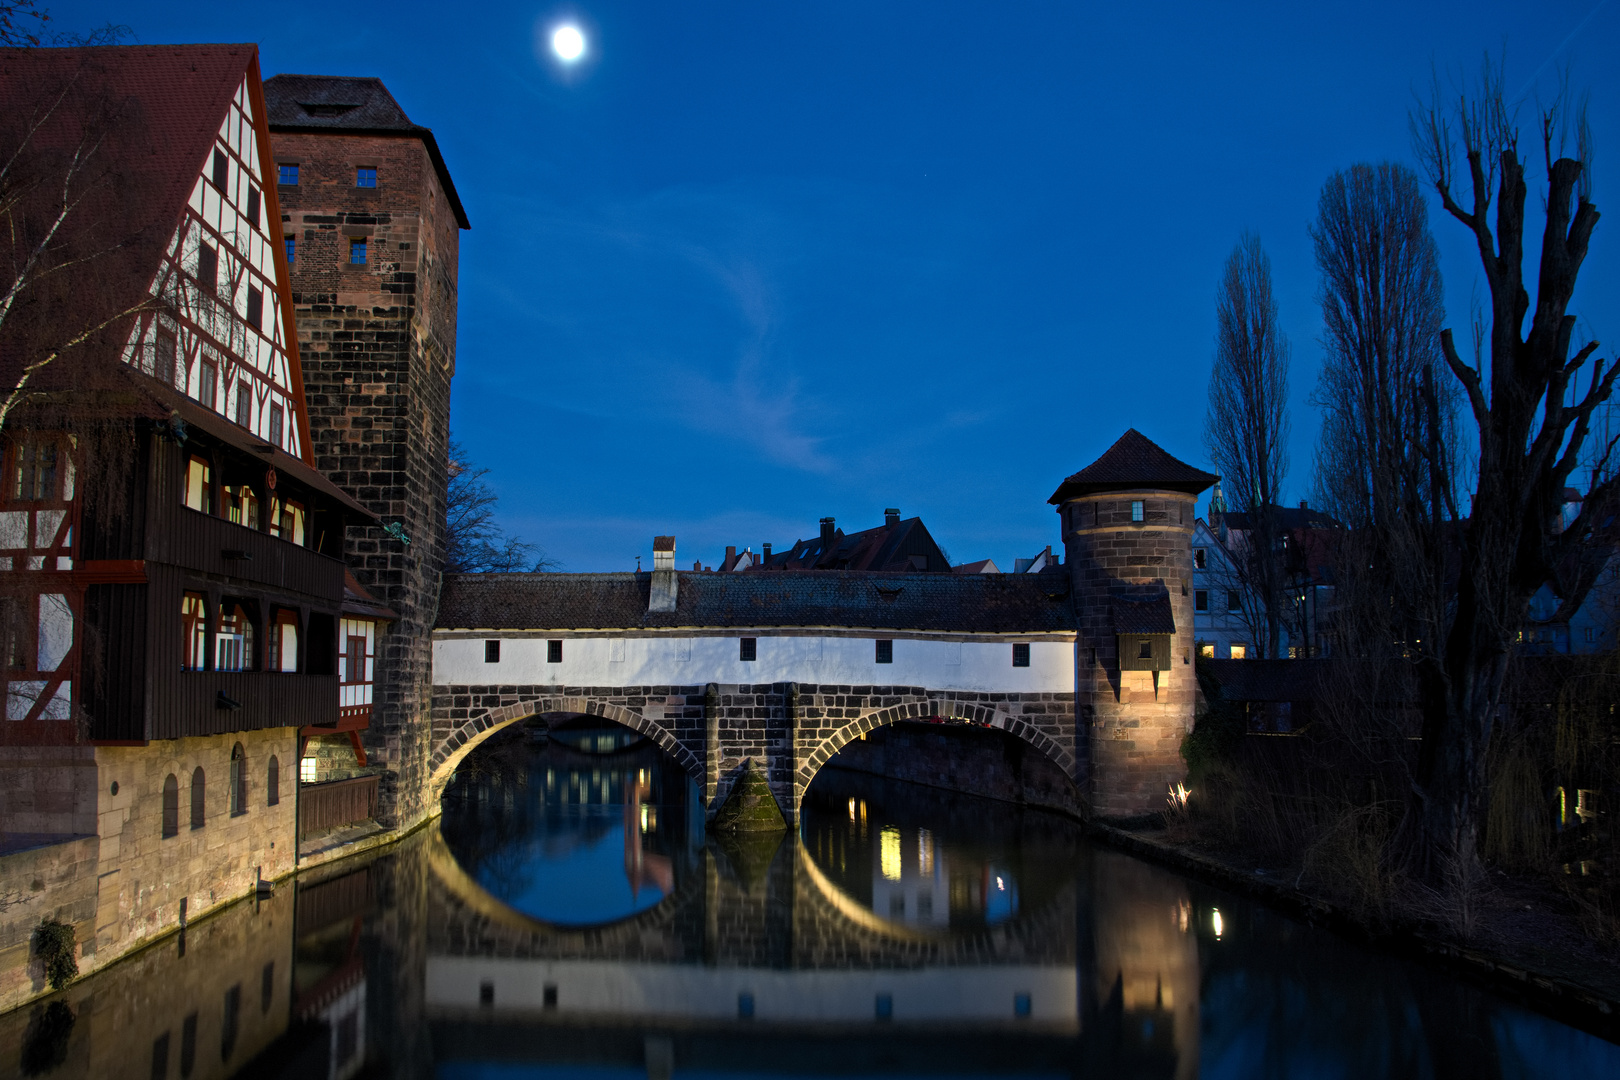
x: 569, y: 918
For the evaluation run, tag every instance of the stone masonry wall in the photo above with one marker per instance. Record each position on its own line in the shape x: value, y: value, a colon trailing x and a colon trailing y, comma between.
x: 789, y: 729
x: 1136, y: 719
x: 377, y: 343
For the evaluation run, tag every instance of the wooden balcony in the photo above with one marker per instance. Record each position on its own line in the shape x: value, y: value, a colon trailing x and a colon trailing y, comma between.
x: 336, y: 803
x: 197, y: 541
x: 216, y: 702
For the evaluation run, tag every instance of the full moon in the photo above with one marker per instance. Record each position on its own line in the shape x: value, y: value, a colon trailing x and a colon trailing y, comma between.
x: 568, y: 43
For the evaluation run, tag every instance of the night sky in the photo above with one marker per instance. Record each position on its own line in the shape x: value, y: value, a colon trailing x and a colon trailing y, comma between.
x: 752, y: 263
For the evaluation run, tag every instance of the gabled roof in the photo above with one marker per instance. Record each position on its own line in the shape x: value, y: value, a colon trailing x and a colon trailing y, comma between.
x: 964, y: 603
x: 351, y: 105
x: 1135, y: 461
x: 160, y: 109
x: 886, y: 549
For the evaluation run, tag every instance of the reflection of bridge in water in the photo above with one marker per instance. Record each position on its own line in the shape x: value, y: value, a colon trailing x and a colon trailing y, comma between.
x: 756, y: 940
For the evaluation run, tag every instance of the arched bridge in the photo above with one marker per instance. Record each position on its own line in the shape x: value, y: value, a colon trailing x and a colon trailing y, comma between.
x: 790, y: 730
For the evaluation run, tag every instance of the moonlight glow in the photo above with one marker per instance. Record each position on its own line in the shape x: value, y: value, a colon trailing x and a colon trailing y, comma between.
x: 568, y: 43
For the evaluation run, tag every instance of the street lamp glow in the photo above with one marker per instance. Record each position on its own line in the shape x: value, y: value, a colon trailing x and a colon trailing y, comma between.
x: 568, y: 43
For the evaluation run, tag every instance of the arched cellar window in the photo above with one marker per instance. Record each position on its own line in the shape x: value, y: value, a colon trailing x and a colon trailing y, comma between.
x: 238, y: 787
x: 198, y: 785
x: 171, y: 806
x: 272, y: 782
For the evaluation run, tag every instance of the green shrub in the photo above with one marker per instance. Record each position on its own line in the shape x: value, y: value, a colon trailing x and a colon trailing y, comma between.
x: 53, y: 943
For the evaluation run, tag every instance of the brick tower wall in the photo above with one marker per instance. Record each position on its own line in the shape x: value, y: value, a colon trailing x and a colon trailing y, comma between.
x: 1137, y: 719
x: 378, y: 346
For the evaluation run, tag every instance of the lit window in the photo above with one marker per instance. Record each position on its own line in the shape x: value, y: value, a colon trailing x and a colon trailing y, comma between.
x: 308, y: 771
x: 34, y: 474
x: 1021, y: 654
x: 292, y: 249
x: 199, y: 486
x: 492, y: 652
x: 1240, y: 652
x: 284, y: 641
x: 287, y: 174
x: 357, y: 251
x: 885, y: 652
x: 233, y: 643
x: 1200, y: 599
x: 1207, y: 650
x: 1136, y: 510
x: 746, y: 649
x: 194, y: 631
x: 365, y: 177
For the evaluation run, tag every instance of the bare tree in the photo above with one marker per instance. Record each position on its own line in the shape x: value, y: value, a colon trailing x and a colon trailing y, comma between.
x: 1386, y: 461
x: 475, y: 543
x: 1533, y: 419
x: 1246, y: 430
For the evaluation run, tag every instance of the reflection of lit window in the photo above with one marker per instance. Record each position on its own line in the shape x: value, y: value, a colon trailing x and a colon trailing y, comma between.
x: 1216, y: 922
x: 925, y: 853
x: 889, y: 852
x: 852, y: 809
x: 306, y: 771
x: 643, y: 819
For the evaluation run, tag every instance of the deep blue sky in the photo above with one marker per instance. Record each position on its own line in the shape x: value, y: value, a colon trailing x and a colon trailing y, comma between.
x: 755, y: 263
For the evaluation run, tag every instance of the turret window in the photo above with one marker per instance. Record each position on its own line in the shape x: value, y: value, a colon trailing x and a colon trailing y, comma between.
x: 1136, y: 510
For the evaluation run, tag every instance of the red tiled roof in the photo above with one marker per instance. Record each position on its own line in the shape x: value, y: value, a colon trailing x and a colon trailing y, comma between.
x: 1135, y: 461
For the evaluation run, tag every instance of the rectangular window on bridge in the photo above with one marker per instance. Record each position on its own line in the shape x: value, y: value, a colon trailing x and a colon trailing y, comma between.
x: 1021, y: 654
x: 885, y: 652
x: 553, y: 652
x: 492, y: 652
x: 747, y: 651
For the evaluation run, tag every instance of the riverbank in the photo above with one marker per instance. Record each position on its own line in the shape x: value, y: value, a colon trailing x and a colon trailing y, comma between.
x: 1528, y: 956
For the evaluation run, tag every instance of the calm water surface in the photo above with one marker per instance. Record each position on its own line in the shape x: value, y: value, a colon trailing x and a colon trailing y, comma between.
x: 569, y: 918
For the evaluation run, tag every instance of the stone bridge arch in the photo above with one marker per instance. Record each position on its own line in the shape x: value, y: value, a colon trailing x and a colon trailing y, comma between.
x: 463, y: 735
x: 820, y: 732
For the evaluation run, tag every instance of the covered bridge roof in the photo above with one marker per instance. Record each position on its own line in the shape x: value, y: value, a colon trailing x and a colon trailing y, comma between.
x: 978, y: 603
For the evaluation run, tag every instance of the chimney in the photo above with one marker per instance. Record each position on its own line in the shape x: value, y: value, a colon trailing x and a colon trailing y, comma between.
x: 826, y: 536
x: 891, y: 516
x: 767, y: 548
x: 731, y: 557
x: 1302, y: 505
x: 661, y: 595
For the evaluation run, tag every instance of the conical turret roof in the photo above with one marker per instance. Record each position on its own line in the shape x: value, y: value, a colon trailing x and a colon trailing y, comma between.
x: 1135, y: 461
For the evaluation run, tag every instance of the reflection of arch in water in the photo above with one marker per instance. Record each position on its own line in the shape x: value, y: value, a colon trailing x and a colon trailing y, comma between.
x: 478, y: 907
x: 472, y: 731
x: 813, y: 754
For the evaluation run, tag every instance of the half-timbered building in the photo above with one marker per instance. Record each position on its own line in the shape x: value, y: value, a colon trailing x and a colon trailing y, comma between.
x: 175, y: 612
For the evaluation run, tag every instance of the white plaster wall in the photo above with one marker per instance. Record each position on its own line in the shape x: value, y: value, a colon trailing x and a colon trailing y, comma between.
x: 685, y: 661
x: 688, y: 991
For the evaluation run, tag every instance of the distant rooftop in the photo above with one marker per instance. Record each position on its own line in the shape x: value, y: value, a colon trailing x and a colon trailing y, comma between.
x: 353, y: 105
x: 1135, y: 461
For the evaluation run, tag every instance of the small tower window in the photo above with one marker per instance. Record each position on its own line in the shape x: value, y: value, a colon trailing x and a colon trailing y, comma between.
x: 365, y: 176
x: 1144, y: 650
x: 1136, y: 510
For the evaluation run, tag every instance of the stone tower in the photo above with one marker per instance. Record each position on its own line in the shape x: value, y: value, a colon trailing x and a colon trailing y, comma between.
x: 372, y: 223
x: 1127, y: 521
